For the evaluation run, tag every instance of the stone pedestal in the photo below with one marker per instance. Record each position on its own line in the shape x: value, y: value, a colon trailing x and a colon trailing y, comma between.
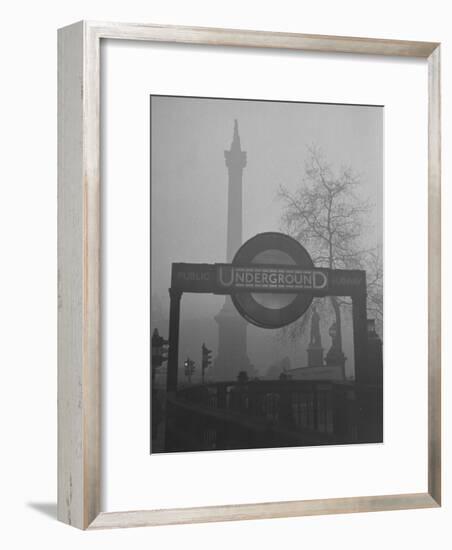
x: 335, y: 358
x: 315, y: 356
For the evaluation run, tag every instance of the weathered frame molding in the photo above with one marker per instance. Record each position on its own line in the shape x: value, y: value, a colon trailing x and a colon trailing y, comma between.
x: 79, y: 383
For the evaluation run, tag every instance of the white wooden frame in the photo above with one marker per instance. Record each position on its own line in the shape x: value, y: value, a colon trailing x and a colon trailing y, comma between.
x: 79, y: 274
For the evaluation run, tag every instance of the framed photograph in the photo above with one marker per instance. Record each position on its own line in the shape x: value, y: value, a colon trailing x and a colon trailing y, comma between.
x: 247, y: 222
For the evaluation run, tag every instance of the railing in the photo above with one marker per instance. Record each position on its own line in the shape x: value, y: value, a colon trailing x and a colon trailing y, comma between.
x: 267, y: 413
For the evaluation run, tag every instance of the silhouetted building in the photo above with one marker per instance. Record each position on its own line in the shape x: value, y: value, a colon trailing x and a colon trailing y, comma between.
x: 232, y: 350
x: 374, y: 353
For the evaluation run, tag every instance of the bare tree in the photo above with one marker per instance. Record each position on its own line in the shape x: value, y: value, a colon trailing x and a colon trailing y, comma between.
x: 327, y: 216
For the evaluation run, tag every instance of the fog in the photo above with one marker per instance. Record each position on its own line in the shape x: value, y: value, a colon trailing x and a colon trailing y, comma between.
x: 189, y: 188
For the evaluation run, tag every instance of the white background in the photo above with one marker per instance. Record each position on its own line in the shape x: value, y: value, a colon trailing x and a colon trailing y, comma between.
x: 28, y: 290
x: 133, y: 479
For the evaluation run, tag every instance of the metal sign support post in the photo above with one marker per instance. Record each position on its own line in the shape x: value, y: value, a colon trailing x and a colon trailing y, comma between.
x: 173, y: 339
x: 359, y: 315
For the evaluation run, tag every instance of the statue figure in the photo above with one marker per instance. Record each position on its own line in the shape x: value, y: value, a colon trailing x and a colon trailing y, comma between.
x: 315, y: 329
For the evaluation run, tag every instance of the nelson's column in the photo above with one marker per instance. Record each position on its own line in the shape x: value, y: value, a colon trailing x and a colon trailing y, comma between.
x: 232, y: 357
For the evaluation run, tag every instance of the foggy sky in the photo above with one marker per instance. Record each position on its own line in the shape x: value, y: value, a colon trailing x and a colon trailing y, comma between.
x: 189, y: 190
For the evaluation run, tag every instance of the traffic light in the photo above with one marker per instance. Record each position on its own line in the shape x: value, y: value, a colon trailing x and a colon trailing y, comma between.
x: 206, y: 359
x: 159, y: 351
x: 189, y: 368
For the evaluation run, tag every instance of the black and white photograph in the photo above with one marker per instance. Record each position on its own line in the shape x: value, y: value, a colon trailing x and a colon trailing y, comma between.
x: 266, y: 274
x: 225, y: 274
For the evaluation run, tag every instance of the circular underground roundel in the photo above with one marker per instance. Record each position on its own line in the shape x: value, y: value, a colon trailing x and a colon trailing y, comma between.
x: 267, y: 309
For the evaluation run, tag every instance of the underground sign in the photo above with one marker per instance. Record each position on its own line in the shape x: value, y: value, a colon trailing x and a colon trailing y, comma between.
x: 281, y: 285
